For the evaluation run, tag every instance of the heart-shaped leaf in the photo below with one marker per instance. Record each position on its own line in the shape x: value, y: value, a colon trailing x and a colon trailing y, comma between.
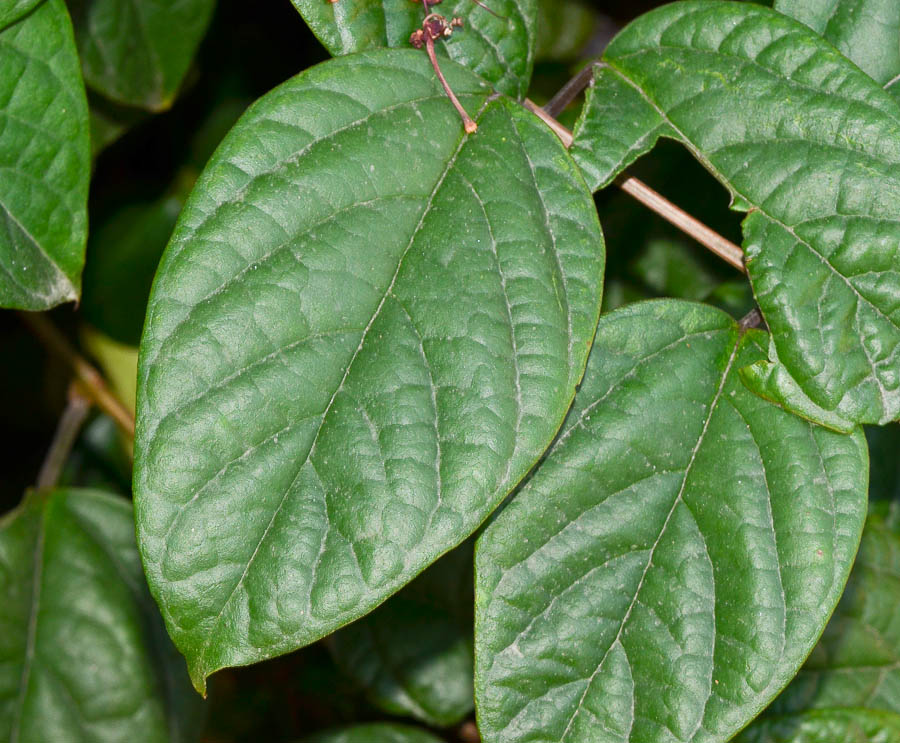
x: 137, y: 52
x: 865, y: 31
x: 498, y: 44
x: 367, y: 328
x: 811, y: 147
x: 45, y: 152
x: 82, y: 647
x: 13, y: 10
x: 375, y: 733
x: 674, y: 559
x: 413, y: 654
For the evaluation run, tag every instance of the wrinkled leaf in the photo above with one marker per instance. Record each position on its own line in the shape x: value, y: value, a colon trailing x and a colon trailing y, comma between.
x: 13, y: 10
x: 45, y: 156
x: 137, y: 52
x: 499, y: 49
x: 81, y: 645
x: 865, y: 31
x: 811, y: 147
x: 675, y: 557
x: 365, y: 331
x: 375, y: 733
x: 827, y: 726
x: 413, y: 654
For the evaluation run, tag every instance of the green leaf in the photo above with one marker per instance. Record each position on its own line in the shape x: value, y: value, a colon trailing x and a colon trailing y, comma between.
x: 137, y: 52
x: 413, y: 654
x: 375, y: 733
x: 671, y: 563
x: 564, y: 28
x: 366, y: 329
x: 82, y: 648
x: 811, y: 147
x: 45, y: 152
x: 12, y: 10
x: 865, y: 31
x: 499, y: 49
x: 827, y: 726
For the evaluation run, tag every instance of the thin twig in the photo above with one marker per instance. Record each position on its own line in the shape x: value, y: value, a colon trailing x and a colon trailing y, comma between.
x: 67, y: 429
x: 570, y: 91
x: 91, y: 380
x: 468, y: 124
x: 675, y: 215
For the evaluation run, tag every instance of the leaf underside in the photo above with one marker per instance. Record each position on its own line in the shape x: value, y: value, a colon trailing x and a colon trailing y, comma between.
x: 361, y: 337
x: 811, y: 147
x: 498, y: 49
x: 137, y: 52
x: 45, y: 155
x: 673, y: 561
x: 74, y: 599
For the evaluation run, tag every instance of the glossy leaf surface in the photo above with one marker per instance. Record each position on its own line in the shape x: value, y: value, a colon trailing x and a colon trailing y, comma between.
x: 806, y: 143
x: 13, y: 10
x: 45, y: 156
x: 82, y: 648
x: 672, y: 562
x: 375, y: 733
x: 865, y: 31
x: 366, y: 329
x: 413, y: 654
x: 137, y: 52
x: 499, y: 49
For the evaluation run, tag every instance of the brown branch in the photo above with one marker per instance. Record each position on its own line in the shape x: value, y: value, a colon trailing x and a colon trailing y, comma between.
x: 67, y: 429
x: 570, y: 91
x: 675, y: 215
x: 92, y: 382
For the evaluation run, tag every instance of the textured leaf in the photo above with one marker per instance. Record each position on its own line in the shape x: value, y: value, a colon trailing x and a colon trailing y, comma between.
x: 376, y: 733
x: 45, y: 156
x: 827, y: 726
x: 13, y: 10
x: 866, y: 31
x: 672, y: 562
x: 501, y: 50
x: 83, y: 654
x: 806, y: 143
x: 365, y: 331
x: 413, y: 654
x: 137, y: 52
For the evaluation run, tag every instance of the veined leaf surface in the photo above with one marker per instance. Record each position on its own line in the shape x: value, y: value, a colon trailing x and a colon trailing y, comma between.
x: 669, y: 566
x: 366, y: 329
x: 499, y: 48
x: 13, y: 10
x: 806, y: 143
x: 45, y: 153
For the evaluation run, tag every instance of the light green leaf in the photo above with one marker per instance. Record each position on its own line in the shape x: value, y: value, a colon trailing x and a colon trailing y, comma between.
x: 12, y: 10
x: 805, y: 142
x: 674, y: 559
x: 137, y: 52
x: 366, y: 329
x: 45, y: 153
x: 82, y: 649
x: 865, y: 31
x: 375, y: 733
x: 499, y: 49
x: 827, y: 726
x: 413, y: 654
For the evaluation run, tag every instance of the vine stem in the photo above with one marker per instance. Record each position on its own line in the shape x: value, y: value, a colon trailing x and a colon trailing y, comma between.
x: 91, y: 381
x: 67, y: 429
x: 637, y: 189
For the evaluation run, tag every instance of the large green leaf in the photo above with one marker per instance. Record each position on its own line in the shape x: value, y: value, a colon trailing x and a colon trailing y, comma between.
x: 366, y: 329
x: 45, y: 153
x: 499, y: 49
x: 83, y: 653
x: 866, y: 31
x: 811, y: 147
x: 13, y: 10
x: 827, y: 726
x: 413, y: 654
x: 137, y: 52
x: 375, y: 733
x: 674, y: 559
